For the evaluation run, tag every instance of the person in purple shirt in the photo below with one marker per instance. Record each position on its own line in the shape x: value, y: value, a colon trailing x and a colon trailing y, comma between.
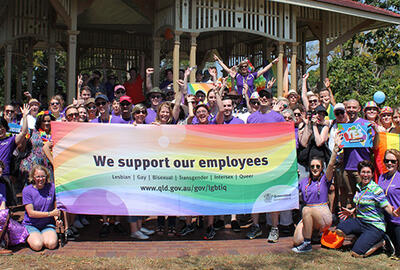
x: 352, y: 156
x: 314, y: 189
x: 265, y: 115
x: 243, y: 76
x: 228, y: 109
x: 390, y: 183
x: 155, y: 97
x: 125, y: 104
x: 103, y: 107
x: 41, y: 212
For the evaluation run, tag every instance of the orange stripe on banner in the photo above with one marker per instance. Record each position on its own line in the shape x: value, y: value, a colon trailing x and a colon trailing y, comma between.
x: 380, y: 152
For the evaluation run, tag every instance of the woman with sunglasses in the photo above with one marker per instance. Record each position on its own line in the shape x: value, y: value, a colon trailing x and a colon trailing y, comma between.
x: 314, y: 189
x: 55, y: 107
x: 155, y: 96
x: 390, y: 183
x: 371, y: 112
x: 37, y: 147
x: 243, y: 75
x: 139, y: 113
x: 386, y: 120
x: 91, y: 108
x: 367, y: 220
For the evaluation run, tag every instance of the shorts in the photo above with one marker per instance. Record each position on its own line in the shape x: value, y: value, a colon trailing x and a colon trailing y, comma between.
x: 325, y: 218
x: 33, y: 229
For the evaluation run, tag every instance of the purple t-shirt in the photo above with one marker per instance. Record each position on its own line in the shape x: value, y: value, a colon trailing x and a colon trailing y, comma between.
x: 310, y: 192
x: 7, y: 147
x: 392, y: 192
x: 42, y: 200
x: 271, y: 117
x: 234, y: 120
x: 352, y: 156
x: 151, y: 116
x: 249, y: 79
x: 3, y: 193
x: 120, y: 120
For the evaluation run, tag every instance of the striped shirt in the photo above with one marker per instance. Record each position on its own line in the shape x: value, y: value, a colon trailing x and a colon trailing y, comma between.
x: 370, y: 201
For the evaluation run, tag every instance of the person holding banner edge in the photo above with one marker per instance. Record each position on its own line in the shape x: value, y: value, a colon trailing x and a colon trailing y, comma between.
x: 314, y: 189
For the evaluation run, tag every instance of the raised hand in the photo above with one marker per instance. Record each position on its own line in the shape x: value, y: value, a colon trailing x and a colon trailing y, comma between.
x: 25, y: 109
x: 271, y: 83
x: 149, y: 71
x: 305, y: 76
x: 216, y: 58
x: 327, y: 83
x: 80, y: 81
x: 276, y: 60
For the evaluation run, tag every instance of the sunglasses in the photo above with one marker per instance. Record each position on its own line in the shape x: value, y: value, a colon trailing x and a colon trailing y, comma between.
x: 102, y: 103
x: 141, y: 112
x: 297, y: 114
x: 92, y: 108
x: 254, y: 103
x: 244, y: 66
x: 313, y: 101
x: 267, y: 95
x: 10, y: 111
x: 54, y: 103
x: 155, y: 96
x: 339, y: 113
x: 386, y: 115
x: 46, y: 121
x: 387, y: 161
x: 315, y: 166
x: 125, y: 104
x: 371, y: 109
x: 119, y: 92
x: 71, y: 115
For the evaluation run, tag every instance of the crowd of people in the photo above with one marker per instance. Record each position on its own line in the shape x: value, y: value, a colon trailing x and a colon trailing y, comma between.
x: 337, y: 186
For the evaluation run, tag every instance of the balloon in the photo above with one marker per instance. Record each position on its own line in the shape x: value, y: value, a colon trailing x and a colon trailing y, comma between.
x: 379, y: 97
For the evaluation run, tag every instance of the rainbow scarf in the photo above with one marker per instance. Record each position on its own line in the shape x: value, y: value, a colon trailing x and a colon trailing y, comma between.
x: 44, y: 136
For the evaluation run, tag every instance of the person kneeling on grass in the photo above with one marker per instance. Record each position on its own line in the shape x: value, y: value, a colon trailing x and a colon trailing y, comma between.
x: 41, y: 213
x: 314, y: 190
x: 367, y: 220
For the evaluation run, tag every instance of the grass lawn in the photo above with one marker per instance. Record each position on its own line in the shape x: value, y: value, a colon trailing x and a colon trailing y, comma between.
x: 320, y: 259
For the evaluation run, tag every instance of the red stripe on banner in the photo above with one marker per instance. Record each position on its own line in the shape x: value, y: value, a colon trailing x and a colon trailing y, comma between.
x: 379, y: 154
x: 62, y: 132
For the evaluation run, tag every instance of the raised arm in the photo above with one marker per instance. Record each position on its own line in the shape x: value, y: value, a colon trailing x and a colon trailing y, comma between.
x: 304, y: 90
x: 327, y: 83
x: 331, y: 165
x: 230, y: 71
x: 21, y: 135
x: 178, y: 98
x: 185, y: 80
x: 268, y: 67
x: 191, y: 100
x: 149, y: 84
x: 220, y: 115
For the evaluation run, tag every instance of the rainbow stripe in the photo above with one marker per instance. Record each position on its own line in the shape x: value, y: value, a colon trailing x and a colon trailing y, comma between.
x: 385, y: 141
x: 193, y: 88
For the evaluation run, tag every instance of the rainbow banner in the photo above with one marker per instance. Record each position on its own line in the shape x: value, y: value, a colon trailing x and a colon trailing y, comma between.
x: 193, y: 88
x: 115, y: 169
x: 385, y: 141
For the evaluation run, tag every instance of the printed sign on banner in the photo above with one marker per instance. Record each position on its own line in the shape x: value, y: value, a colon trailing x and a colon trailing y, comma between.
x: 356, y: 135
x: 113, y: 169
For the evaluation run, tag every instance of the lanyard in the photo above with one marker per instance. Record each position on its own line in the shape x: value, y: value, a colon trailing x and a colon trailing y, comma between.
x: 309, y: 183
x: 359, y: 199
x: 386, y: 191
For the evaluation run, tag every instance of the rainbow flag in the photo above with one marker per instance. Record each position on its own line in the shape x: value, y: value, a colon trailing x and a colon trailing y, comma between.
x: 385, y: 141
x: 193, y: 88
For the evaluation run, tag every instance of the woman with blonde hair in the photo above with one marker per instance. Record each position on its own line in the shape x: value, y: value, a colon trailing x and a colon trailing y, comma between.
x: 41, y: 213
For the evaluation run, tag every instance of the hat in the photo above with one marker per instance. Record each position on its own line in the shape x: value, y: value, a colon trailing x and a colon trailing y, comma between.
x: 331, y: 239
x: 255, y: 95
x: 33, y: 100
x: 119, y: 86
x: 321, y: 108
x: 339, y: 106
x: 371, y: 104
x: 155, y: 90
x: 102, y: 96
x: 125, y: 98
x: 266, y: 92
x: 386, y: 110
x: 292, y: 92
x: 89, y: 100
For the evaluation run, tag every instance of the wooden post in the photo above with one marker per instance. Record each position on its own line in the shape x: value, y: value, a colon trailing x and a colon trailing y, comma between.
x: 193, y: 48
x: 156, y: 60
x: 323, y: 53
x: 72, y: 41
x: 7, y: 69
x: 293, y: 67
x: 279, y: 74
x: 51, y: 75
x: 29, y: 72
x: 176, y: 59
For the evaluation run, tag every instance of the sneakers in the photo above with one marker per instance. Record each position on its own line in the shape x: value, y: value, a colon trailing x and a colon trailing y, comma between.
x: 77, y: 224
x: 160, y: 229
x: 375, y: 248
x: 210, y: 233
x: 235, y: 226
x: 389, y: 247
x: 219, y: 225
x: 139, y: 235
x: 186, y: 230
x: 305, y: 247
x: 171, y: 231
x: 273, y: 235
x: 146, y: 231
x: 105, y: 230
x: 254, y: 232
x: 84, y: 221
x: 118, y: 228
x: 71, y: 236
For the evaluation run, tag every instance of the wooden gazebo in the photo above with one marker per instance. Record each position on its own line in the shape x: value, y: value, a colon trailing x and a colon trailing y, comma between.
x: 115, y: 33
